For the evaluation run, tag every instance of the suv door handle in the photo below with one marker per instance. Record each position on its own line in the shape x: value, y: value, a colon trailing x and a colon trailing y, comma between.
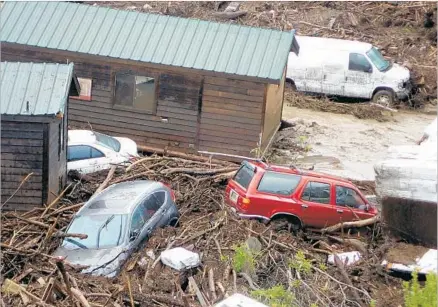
x: 339, y: 211
x: 304, y: 206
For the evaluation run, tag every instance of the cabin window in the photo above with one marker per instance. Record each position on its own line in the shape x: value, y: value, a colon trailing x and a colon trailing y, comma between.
x: 85, y: 92
x: 135, y: 91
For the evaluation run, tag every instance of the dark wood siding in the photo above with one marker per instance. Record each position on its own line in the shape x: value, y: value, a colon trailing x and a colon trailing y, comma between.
x: 174, y: 125
x: 22, y: 149
x: 231, y: 116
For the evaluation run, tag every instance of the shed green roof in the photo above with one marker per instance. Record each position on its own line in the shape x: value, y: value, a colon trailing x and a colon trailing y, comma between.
x: 152, y: 38
x: 34, y: 89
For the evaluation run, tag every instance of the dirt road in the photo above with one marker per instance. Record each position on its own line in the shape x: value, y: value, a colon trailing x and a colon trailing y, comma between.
x: 346, y: 146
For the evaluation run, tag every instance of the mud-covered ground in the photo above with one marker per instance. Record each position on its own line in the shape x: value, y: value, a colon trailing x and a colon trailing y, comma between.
x: 343, y: 144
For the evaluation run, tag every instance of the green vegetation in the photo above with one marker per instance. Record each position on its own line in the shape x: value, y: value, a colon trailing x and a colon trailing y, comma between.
x: 300, y: 263
x: 417, y: 296
x: 243, y: 259
x: 276, y: 296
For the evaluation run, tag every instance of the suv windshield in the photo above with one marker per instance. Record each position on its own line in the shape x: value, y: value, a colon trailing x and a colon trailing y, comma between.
x: 244, y: 175
x: 278, y: 183
x: 108, y: 141
x: 378, y: 60
x: 103, y: 231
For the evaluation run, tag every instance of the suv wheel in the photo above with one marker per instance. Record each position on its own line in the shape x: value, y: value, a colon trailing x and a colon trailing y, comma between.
x: 288, y: 224
x: 384, y: 98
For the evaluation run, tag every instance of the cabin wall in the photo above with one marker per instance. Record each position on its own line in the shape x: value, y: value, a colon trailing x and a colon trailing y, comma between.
x: 231, y: 117
x: 57, y: 157
x: 273, y: 111
x: 22, y: 147
x: 174, y: 124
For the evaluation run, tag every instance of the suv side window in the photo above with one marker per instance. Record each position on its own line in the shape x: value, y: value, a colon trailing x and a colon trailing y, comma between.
x: 278, y: 183
x: 138, y: 218
x: 317, y: 192
x: 347, y: 197
x: 358, y: 62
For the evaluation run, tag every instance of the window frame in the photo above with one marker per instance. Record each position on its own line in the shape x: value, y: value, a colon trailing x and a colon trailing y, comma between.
x: 356, y: 70
x: 91, y: 149
x: 85, y: 84
x: 347, y: 206
x: 131, y: 107
x: 309, y: 182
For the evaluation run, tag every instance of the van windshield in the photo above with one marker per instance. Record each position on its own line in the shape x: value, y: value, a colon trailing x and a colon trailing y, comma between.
x: 378, y: 60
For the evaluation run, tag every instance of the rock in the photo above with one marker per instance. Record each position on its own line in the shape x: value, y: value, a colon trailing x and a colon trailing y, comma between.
x: 254, y: 245
x: 232, y: 7
x: 147, y: 7
x: 131, y: 8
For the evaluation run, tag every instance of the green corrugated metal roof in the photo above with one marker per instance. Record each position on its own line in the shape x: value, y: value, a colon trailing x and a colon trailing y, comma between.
x: 174, y: 41
x: 34, y: 89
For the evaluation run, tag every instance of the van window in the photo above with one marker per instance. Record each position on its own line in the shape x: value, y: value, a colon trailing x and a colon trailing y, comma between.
x: 244, y: 176
x: 378, y: 59
x: 358, y: 62
x: 278, y: 183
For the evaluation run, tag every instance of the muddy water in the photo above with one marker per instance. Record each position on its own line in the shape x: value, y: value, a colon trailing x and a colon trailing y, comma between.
x: 346, y: 146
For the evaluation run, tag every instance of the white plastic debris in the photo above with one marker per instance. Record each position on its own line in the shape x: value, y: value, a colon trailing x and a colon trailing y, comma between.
x: 347, y: 258
x: 239, y: 300
x: 426, y: 264
x: 179, y: 258
x: 150, y: 253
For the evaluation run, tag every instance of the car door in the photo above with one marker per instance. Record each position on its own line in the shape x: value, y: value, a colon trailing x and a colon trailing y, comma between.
x: 333, y: 80
x: 359, y: 77
x: 317, y: 208
x: 351, y: 202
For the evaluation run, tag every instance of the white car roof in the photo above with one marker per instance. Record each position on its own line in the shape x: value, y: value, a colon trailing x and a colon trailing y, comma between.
x: 81, y: 136
x: 310, y: 42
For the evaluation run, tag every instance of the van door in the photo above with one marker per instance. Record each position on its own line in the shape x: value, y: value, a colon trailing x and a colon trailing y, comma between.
x: 358, y: 78
x: 333, y: 80
x: 313, y: 77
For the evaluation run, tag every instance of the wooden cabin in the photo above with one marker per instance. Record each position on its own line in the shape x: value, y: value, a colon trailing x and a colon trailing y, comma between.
x: 33, y: 104
x: 166, y: 82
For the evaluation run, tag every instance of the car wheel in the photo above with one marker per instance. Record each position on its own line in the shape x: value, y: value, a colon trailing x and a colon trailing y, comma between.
x: 384, y: 98
x: 174, y: 222
x: 286, y: 224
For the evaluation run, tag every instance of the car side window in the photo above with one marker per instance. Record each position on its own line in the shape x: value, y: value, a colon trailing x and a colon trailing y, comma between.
x: 95, y: 153
x: 79, y: 152
x: 317, y: 192
x: 358, y: 62
x: 138, y: 218
x: 347, y: 197
x: 153, y: 203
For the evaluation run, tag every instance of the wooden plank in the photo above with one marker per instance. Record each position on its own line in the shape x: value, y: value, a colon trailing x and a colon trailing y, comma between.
x: 256, y: 123
x: 21, y: 126
x: 253, y: 108
x: 27, y: 185
x: 234, y: 135
x: 11, y: 205
x: 230, y: 130
x: 22, y: 150
x: 34, y: 135
x: 20, y: 157
x: 177, y: 104
x: 18, y: 178
x: 131, y: 133
x: 207, y: 109
x: 233, y: 82
x: 226, y: 146
x: 21, y: 142
x: 227, y: 140
x: 135, y: 124
x: 243, y: 103
x: 219, y: 122
x: 5, y: 193
x: 162, y: 108
x: 178, y: 96
x: 245, y: 153
x: 21, y: 171
x: 258, y: 99
x: 181, y: 80
x: 22, y: 163
x: 25, y: 200
x: 235, y: 90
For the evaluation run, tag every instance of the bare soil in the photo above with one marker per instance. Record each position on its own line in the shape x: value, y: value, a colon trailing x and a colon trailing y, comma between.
x: 404, y: 253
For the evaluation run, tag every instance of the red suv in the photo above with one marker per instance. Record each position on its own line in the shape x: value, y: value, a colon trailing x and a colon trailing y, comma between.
x: 303, y: 198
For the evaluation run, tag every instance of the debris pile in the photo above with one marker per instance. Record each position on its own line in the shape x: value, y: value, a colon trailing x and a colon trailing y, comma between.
x: 236, y: 256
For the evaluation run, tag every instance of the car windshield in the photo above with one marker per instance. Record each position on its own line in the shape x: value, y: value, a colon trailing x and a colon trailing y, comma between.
x: 378, y: 60
x: 108, y: 141
x: 103, y: 231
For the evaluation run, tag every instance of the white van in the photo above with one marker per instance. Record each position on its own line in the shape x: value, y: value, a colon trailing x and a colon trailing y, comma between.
x: 346, y: 68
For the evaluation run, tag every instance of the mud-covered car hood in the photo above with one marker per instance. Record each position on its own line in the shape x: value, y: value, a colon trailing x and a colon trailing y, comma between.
x: 108, y: 259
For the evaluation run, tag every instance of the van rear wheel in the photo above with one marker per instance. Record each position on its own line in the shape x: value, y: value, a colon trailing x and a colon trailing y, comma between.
x: 384, y: 98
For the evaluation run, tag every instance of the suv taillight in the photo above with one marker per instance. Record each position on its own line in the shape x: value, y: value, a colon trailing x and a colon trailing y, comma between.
x: 243, y: 202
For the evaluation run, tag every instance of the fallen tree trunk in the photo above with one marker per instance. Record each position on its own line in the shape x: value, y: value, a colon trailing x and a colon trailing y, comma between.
x: 229, y: 15
x: 199, y: 171
x: 361, y: 223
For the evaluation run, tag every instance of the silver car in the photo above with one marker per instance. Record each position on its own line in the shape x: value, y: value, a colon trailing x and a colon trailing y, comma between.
x: 117, y: 222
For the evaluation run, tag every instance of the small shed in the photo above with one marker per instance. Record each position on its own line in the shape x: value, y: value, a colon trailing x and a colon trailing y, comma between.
x: 167, y: 82
x: 33, y: 105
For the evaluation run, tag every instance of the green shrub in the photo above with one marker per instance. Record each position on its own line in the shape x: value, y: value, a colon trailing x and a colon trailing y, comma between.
x: 276, y: 296
x: 243, y: 259
x: 417, y: 296
x: 300, y: 263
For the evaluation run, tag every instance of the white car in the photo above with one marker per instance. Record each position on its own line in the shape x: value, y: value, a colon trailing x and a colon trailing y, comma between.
x: 346, y: 68
x: 90, y: 151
